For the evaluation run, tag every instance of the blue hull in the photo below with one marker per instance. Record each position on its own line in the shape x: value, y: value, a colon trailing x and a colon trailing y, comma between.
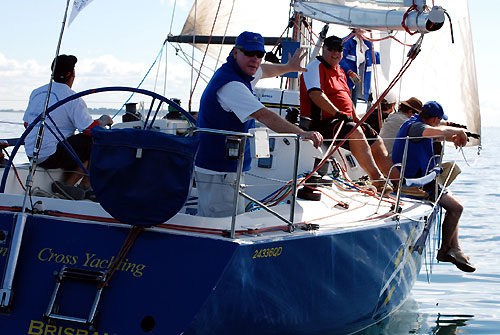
x: 339, y: 281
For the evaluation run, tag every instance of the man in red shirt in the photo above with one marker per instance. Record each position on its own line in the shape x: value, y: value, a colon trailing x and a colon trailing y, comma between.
x: 325, y: 98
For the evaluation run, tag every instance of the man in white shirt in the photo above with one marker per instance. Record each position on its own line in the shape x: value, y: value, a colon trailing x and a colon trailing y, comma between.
x: 228, y: 103
x: 61, y: 124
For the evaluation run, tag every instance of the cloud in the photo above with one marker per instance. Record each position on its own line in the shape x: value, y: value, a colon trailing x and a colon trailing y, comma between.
x: 20, y: 78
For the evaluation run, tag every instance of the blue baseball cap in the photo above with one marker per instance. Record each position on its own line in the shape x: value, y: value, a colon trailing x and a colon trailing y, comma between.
x: 250, y: 41
x: 434, y: 108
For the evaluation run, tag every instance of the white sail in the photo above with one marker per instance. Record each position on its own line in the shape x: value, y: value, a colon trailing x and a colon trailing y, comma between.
x: 234, y: 17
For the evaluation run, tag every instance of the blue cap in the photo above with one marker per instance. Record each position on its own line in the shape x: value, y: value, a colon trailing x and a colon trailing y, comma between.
x: 250, y: 41
x: 434, y: 108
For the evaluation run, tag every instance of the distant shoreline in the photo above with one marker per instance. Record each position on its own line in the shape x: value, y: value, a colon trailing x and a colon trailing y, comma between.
x: 93, y: 111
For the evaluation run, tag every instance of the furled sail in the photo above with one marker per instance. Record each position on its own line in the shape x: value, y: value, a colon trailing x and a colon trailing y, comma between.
x: 371, y: 14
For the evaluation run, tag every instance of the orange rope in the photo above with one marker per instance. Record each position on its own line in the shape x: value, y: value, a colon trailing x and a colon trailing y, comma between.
x: 412, y: 8
x: 15, y: 171
x: 385, y: 38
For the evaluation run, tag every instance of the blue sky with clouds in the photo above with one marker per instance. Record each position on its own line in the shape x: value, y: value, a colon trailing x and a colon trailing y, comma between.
x: 117, y: 41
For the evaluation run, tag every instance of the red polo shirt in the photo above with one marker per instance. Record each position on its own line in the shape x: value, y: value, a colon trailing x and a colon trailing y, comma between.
x: 332, y: 81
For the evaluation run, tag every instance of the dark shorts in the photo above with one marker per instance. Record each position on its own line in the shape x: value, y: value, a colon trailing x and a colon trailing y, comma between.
x: 62, y: 159
x: 328, y: 127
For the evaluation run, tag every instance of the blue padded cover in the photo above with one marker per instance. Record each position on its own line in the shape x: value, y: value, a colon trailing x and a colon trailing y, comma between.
x: 141, y: 191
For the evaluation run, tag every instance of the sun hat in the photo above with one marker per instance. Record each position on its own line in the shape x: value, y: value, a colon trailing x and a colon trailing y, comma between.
x: 413, y: 103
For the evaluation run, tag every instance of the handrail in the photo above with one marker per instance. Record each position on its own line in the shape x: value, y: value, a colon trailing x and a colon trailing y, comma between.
x: 402, y: 173
x: 236, y: 185
x: 402, y: 178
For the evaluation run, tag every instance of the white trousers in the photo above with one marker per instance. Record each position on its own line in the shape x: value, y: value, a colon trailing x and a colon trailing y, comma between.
x: 216, y: 194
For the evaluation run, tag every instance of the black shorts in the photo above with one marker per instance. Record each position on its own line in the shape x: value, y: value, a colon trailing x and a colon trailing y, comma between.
x: 62, y: 159
x: 328, y: 127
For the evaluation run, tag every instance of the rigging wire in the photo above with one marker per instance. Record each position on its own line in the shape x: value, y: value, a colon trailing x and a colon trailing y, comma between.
x: 204, y: 55
x: 192, y: 54
x: 166, y: 51
x: 165, y: 77
x: 144, y: 78
x: 184, y: 57
x: 158, y: 69
x: 224, y: 36
x: 172, y: 18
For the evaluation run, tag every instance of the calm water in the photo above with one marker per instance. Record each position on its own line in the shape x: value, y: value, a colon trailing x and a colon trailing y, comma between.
x: 453, y: 302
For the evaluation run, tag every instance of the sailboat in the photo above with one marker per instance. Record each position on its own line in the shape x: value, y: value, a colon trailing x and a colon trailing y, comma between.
x: 317, y: 250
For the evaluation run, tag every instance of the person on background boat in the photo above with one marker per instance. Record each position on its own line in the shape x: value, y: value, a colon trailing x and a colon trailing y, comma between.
x: 393, y: 122
x: 387, y: 106
x: 228, y: 103
x: 422, y: 128
x: 357, y: 63
x: 62, y: 123
x: 325, y: 98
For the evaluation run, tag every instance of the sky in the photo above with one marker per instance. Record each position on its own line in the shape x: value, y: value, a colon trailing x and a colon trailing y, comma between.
x: 116, y: 43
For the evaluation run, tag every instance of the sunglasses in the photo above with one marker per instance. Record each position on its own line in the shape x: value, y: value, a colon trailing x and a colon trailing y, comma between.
x: 336, y: 47
x: 253, y: 53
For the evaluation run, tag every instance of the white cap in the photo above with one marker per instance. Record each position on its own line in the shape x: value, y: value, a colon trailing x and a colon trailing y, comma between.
x: 391, y: 97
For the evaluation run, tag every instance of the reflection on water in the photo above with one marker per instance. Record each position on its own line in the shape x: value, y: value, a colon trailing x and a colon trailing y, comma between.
x: 449, y: 324
x: 408, y: 320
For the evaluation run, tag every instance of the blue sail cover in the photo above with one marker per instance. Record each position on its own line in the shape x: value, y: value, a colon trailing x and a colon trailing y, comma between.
x: 141, y: 177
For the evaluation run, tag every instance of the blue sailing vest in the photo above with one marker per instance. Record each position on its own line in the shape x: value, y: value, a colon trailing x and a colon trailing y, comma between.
x: 419, y: 153
x: 348, y: 62
x: 211, y: 153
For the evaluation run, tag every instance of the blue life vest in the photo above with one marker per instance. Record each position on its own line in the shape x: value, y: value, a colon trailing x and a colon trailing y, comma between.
x: 211, y: 153
x: 348, y: 62
x: 419, y: 153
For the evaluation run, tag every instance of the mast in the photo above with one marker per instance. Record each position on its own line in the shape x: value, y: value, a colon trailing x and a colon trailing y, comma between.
x: 6, y: 291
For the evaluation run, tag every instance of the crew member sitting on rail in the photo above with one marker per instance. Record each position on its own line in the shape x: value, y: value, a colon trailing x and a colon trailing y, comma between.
x: 325, y: 98
x: 422, y: 128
